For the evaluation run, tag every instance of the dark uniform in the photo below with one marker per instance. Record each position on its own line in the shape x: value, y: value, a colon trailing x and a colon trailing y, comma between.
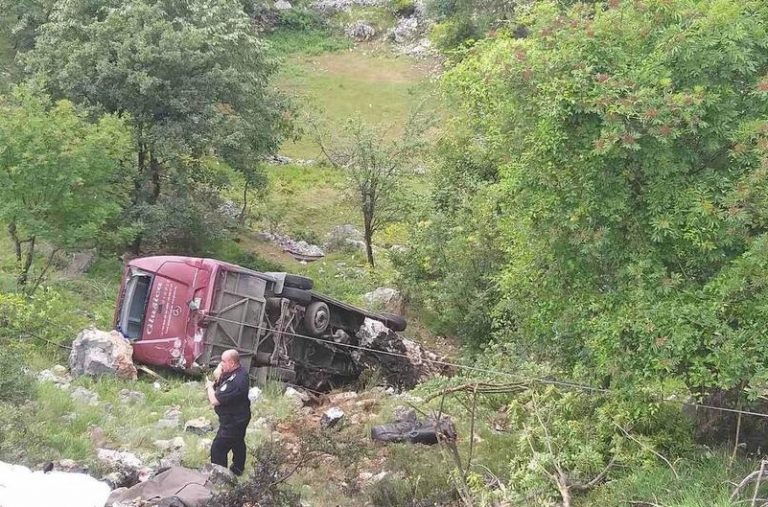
x: 234, y: 411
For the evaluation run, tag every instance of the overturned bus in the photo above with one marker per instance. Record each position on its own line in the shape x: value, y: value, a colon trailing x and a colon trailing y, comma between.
x: 183, y: 312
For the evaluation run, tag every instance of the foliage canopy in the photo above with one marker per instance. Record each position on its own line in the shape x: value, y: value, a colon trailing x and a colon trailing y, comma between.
x: 629, y: 140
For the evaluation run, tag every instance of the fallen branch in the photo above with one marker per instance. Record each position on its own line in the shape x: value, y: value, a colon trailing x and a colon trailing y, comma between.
x: 481, y: 388
x: 149, y: 372
x: 648, y: 448
x: 757, y: 475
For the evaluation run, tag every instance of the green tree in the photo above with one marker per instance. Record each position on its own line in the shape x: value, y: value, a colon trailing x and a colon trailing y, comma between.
x: 631, y: 140
x: 62, y: 178
x: 191, y: 77
x: 24, y: 17
x: 375, y: 168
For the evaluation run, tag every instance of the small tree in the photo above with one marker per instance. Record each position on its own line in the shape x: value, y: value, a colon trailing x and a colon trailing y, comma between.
x: 192, y: 79
x: 60, y: 176
x: 374, y: 167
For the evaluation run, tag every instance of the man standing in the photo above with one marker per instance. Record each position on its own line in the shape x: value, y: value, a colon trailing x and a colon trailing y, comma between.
x: 229, y: 397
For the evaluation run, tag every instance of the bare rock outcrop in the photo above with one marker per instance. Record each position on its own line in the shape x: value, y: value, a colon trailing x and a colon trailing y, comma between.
x: 97, y: 353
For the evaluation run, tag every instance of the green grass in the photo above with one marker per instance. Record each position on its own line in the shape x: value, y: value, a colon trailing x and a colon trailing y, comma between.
x: 705, y: 481
x: 285, y: 43
x: 378, y: 87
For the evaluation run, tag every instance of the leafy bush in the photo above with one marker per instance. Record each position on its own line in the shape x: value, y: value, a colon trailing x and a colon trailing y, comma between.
x: 402, y: 7
x: 312, y: 42
x: 264, y: 486
x: 16, y: 386
x: 629, y: 208
x: 300, y: 20
x: 453, y: 32
x: 183, y: 223
x: 309, y: 236
x: 46, y: 319
x: 230, y: 252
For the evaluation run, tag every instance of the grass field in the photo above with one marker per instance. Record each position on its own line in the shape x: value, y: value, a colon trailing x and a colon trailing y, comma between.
x: 366, y: 82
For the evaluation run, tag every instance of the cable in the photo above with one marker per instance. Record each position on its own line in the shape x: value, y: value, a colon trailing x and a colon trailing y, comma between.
x: 519, y: 378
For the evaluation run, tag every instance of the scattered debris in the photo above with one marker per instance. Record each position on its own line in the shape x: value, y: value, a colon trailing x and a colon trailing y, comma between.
x: 199, y: 426
x: 126, y: 468
x: 283, y: 160
x: 409, y: 429
x: 337, y: 398
x: 301, y: 250
x: 21, y: 487
x: 332, y: 417
x: 419, y: 50
x: 96, y: 353
x: 407, y: 363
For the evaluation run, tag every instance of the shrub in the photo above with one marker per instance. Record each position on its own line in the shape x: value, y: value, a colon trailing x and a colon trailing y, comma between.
x: 451, y: 33
x: 264, y: 486
x: 15, y: 386
x: 300, y: 20
x: 185, y: 223
x: 402, y: 7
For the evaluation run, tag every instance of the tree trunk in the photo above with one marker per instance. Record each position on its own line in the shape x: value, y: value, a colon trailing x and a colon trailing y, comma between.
x: 138, y: 185
x: 241, y: 218
x: 16, y: 241
x: 154, y: 167
x: 368, y: 236
x: 24, y: 273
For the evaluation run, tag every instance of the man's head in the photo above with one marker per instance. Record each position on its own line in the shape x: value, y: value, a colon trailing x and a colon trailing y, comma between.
x: 230, y: 360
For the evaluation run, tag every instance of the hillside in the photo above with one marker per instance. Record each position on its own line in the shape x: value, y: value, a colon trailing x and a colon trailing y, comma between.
x: 564, y: 199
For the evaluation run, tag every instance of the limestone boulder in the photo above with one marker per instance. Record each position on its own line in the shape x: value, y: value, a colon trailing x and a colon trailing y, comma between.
x: 97, y: 353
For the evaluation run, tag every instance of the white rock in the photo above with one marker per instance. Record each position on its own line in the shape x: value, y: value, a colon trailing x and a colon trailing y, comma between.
x: 254, y: 393
x: 171, y: 419
x: 385, y: 298
x: 407, y: 29
x: 83, y: 395
x: 131, y: 397
x: 332, y: 417
x: 21, y: 487
x: 60, y: 371
x: 360, y: 31
x: 173, y: 444
x: 96, y: 353
x: 199, y: 426
x: 299, y: 398
x: 337, y: 398
x: 282, y: 5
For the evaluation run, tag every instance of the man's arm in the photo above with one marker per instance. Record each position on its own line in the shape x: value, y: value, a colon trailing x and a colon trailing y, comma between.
x: 211, y: 393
